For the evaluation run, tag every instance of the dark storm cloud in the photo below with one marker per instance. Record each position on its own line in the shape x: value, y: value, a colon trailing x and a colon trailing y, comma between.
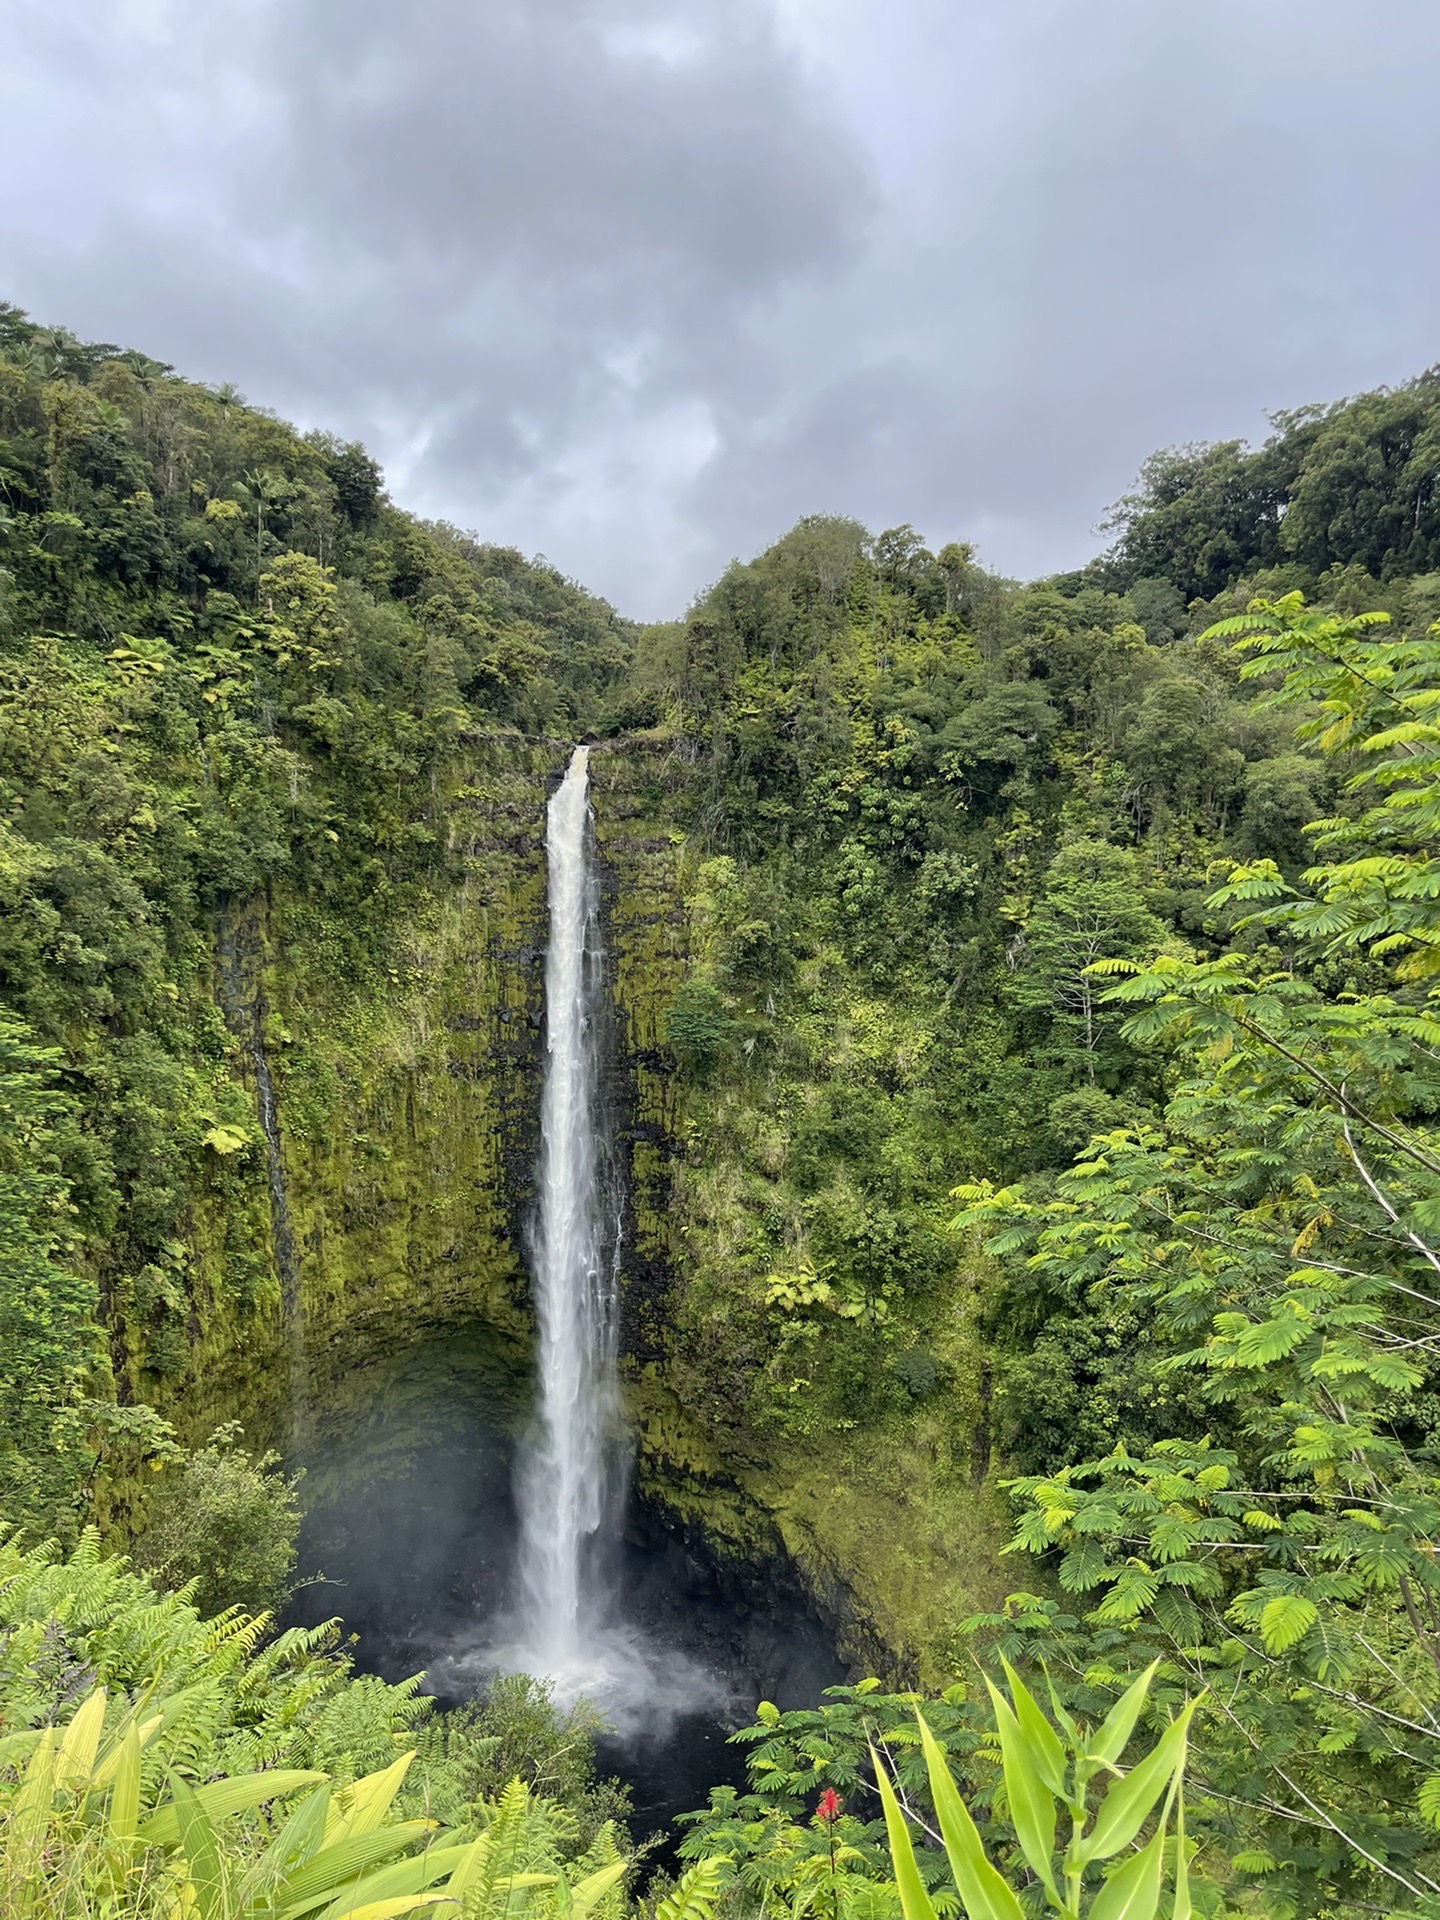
x: 519, y: 246
x: 572, y: 139
x: 639, y: 283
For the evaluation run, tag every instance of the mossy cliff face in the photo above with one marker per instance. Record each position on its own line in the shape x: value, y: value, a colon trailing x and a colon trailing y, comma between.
x: 892, y: 1525
x: 633, y: 783
x: 372, y: 1175
x: 384, y: 1177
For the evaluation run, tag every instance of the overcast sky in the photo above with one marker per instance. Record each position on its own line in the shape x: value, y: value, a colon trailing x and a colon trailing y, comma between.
x: 635, y: 283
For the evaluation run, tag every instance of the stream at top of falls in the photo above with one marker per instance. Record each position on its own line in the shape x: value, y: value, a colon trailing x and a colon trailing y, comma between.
x: 450, y: 1546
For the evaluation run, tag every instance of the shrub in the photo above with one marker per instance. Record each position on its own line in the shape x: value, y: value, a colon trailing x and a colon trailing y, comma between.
x: 227, y: 1521
x: 697, y: 1026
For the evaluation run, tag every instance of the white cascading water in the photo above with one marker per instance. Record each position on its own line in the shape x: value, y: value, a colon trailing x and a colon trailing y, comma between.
x: 567, y: 1625
x: 567, y: 1477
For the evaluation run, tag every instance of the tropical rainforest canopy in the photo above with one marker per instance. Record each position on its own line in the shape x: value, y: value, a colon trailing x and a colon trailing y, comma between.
x: 1057, y: 1045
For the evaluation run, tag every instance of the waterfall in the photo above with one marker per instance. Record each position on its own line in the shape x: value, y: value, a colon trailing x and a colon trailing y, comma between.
x: 244, y: 1010
x: 568, y: 1476
x: 282, y: 1233
x: 568, y: 1623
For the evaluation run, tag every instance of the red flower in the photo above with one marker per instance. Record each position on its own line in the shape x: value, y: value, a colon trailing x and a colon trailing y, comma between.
x: 829, y: 1807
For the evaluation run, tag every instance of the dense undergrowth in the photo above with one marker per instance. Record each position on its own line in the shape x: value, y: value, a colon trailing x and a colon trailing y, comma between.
x: 211, y: 1718
x: 1057, y: 1050
x: 931, y: 802
x: 1115, y: 915
x: 230, y: 671
x: 155, y: 1763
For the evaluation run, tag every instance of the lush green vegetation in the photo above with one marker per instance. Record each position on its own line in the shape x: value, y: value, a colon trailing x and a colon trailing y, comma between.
x: 229, y: 670
x: 1118, y: 916
x: 1272, y: 1229
x: 1058, y: 1049
x: 153, y: 1762
x: 1345, y: 490
x: 933, y: 803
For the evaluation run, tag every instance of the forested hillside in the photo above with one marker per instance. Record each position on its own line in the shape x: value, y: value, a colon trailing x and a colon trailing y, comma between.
x: 230, y: 671
x: 1062, y: 1052
x: 934, y: 801
x: 1348, y: 487
x: 1050, y: 1127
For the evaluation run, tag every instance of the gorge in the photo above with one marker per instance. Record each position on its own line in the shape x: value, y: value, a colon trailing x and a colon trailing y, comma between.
x: 566, y: 1580
x: 871, y: 1165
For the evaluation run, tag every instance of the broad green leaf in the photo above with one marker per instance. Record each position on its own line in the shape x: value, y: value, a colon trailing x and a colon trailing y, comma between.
x: 1032, y: 1804
x: 17, y: 1747
x: 1045, y: 1744
x: 81, y: 1742
x: 588, y: 1892
x: 1127, y: 1805
x: 201, y: 1850
x: 220, y: 1798
x: 915, y: 1903
x: 393, y: 1909
x: 320, y: 1879
x: 403, y: 1877
x: 1062, y: 1719
x: 1109, y: 1740
x: 30, y: 1812
x: 1133, y: 1891
x: 103, y: 1771
x: 124, y: 1814
x: 984, y: 1891
x: 914, y: 1899
x: 360, y: 1808
x: 1183, y: 1906
x: 300, y: 1836
x: 469, y: 1865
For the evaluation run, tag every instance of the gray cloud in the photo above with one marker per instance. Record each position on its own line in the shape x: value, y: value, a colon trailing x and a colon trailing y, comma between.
x: 637, y: 282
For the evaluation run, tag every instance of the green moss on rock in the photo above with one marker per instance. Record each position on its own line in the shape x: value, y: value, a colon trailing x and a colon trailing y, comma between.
x: 405, y: 1108
x: 893, y: 1526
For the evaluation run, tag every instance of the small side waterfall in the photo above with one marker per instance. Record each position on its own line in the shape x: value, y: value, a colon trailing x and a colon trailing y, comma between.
x: 569, y: 1476
x: 287, y: 1264
x: 243, y: 1004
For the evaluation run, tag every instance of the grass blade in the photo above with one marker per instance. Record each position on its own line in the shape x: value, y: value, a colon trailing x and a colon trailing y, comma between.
x: 985, y: 1892
x: 1045, y: 1743
x: 1109, y: 1740
x: 1128, y: 1804
x: 915, y: 1903
x: 1032, y: 1804
x: 1133, y: 1893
